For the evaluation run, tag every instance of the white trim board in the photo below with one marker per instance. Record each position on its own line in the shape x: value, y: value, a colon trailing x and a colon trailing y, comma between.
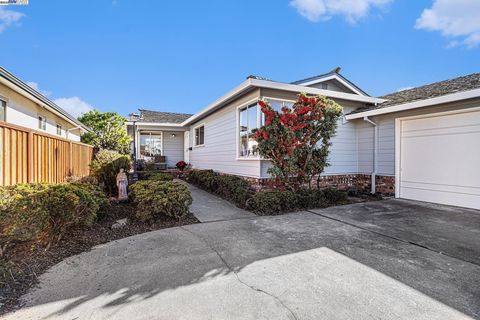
x: 336, y: 77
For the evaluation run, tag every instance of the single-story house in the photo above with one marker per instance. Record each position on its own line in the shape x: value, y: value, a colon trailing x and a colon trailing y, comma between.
x: 422, y: 143
x: 23, y: 106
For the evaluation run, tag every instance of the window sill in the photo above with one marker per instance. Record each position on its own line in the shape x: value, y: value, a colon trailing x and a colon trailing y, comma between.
x: 249, y: 158
x: 199, y: 146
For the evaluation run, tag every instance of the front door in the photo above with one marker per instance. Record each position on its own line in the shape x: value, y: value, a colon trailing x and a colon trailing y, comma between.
x: 186, y: 146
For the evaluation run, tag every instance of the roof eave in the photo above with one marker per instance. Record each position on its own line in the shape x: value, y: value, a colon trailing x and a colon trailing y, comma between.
x: 464, y: 95
x: 18, y: 85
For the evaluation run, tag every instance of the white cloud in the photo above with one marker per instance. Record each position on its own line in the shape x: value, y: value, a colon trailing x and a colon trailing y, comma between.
x: 35, y: 86
x: 8, y: 18
x: 73, y: 105
x: 321, y: 10
x: 456, y: 19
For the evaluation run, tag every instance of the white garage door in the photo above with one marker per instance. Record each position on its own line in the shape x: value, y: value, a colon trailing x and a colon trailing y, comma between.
x: 440, y: 159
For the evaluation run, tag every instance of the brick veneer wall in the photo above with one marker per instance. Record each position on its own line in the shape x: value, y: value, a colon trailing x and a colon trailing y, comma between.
x: 357, y: 182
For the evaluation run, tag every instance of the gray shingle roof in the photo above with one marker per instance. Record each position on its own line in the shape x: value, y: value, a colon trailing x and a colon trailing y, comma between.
x: 437, y: 89
x: 163, y: 117
x: 464, y: 83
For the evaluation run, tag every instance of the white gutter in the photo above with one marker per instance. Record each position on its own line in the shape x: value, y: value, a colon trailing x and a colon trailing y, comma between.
x: 375, y: 155
x: 418, y: 104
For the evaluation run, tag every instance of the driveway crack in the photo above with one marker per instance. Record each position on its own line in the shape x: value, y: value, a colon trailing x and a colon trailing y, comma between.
x: 231, y: 269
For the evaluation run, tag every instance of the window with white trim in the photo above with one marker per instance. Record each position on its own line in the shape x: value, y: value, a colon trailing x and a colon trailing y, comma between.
x: 150, y: 144
x: 277, y: 105
x: 3, y: 110
x: 249, y: 122
x: 199, y: 135
x: 42, y: 123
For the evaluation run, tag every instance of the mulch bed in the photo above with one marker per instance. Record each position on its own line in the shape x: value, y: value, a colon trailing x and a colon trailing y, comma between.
x: 22, y: 265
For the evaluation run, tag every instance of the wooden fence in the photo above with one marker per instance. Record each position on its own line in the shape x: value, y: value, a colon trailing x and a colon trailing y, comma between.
x: 31, y: 156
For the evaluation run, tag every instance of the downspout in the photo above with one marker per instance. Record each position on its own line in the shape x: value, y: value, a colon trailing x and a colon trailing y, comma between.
x: 375, y: 154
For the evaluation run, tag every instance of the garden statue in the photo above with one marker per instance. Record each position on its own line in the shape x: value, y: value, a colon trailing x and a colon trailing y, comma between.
x: 122, y: 183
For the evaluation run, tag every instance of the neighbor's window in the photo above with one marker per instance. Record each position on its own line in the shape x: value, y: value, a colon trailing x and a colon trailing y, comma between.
x: 249, y: 123
x: 42, y: 123
x: 150, y: 144
x: 3, y: 110
x: 200, y: 136
x: 59, y: 129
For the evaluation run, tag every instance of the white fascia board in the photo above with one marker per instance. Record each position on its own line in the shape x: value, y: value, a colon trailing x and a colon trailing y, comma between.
x: 243, y: 86
x: 333, y: 76
x: 315, y: 91
x: 418, y: 104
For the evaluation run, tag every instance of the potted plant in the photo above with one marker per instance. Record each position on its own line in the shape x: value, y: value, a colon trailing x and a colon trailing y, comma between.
x: 181, y: 165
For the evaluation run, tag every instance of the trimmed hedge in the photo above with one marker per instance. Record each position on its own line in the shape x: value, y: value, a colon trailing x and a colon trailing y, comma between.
x: 158, y: 176
x: 228, y: 187
x: 44, y: 212
x: 154, y: 198
x: 239, y: 192
x: 106, y: 166
x: 277, y: 202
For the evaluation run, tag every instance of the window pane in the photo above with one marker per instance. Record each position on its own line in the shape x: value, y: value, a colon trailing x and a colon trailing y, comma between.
x: 252, y: 128
x: 150, y: 144
x: 276, y: 105
x: 243, y: 133
x: 202, y: 134
x: 3, y: 108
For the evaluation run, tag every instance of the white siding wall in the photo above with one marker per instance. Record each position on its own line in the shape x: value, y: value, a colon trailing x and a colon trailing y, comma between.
x: 343, y: 156
x: 386, y: 142
x: 24, y: 112
x: 173, y: 147
x: 220, y: 150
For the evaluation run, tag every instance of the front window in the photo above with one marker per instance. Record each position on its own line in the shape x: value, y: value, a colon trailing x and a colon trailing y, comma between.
x: 278, y: 105
x: 249, y: 123
x: 59, y: 129
x: 42, y: 123
x: 3, y: 110
x: 150, y: 144
x: 200, y: 136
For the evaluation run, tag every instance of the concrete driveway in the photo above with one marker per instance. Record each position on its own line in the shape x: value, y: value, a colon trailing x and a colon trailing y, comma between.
x: 307, y: 265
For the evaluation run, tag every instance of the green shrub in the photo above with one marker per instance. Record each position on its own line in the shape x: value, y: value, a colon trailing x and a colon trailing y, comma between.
x: 160, y: 176
x: 155, y: 198
x: 31, y: 212
x: 229, y: 187
x: 106, y: 166
x: 272, y: 202
x: 275, y: 202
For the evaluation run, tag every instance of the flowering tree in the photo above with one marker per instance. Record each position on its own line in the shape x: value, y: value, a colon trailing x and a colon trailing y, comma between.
x: 297, y: 140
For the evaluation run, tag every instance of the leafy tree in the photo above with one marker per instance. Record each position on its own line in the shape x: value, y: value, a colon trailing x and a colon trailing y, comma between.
x: 108, y: 131
x: 297, y: 140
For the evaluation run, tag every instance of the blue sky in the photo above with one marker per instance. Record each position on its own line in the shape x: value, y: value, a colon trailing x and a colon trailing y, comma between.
x: 181, y: 55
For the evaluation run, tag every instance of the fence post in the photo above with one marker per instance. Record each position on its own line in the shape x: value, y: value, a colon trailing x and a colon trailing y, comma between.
x: 70, y: 159
x: 30, y: 158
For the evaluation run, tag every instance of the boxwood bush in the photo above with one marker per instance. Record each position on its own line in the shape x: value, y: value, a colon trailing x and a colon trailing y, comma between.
x: 44, y: 212
x: 156, y: 198
x: 276, y: 202
x: 159, y: 176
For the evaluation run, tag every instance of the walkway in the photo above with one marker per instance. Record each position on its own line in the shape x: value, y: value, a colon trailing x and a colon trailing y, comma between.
x: 207, y: 207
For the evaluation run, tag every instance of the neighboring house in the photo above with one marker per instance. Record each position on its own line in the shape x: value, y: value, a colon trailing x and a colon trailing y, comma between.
x: 39, y: 141
x: 422, y: 143
x: 21, y: 105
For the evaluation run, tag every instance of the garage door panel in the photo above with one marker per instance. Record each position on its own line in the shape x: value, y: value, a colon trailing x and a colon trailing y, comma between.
x: 440, y: 159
